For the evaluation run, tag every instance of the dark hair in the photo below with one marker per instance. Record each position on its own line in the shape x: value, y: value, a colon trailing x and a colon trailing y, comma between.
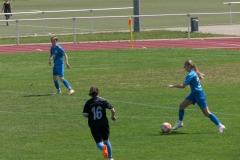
x: 93, y: 91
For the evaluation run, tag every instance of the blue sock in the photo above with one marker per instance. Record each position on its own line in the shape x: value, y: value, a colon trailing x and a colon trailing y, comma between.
x: 65, y: 82
x: 180, y: 114
x: 214, y: 119
x: 100, y: 145
x: 56, y: 84
x: 109, y: 146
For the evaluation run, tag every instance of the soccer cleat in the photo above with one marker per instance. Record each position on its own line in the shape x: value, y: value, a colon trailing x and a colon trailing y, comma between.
x: 58, y: 92
x: 110, y: 159
x: 178, y: 125
x: 71, y: 92
x: 105, y: 151
x: 221, y: 128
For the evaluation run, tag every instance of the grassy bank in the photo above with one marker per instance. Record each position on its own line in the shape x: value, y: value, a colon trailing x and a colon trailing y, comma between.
x: 156, y: 34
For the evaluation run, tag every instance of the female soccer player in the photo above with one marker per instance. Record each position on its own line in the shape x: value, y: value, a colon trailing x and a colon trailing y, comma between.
x: 7, y: 9
x: 197, y: 95
x: 57, y: 53
x: 95, y: 110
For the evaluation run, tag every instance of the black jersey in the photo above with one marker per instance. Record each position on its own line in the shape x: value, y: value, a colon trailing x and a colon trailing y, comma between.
x: 7, y: 8
x: 96, y: 110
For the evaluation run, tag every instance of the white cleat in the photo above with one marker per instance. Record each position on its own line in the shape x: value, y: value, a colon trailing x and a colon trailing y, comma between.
x: 221, y: 129
x: 71, y: 92
x: 58, y: 92
x: 178, y: 125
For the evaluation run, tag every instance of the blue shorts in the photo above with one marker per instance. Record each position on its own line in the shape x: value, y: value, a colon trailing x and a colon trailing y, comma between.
x: 199, y: 98
x: 58, y: 70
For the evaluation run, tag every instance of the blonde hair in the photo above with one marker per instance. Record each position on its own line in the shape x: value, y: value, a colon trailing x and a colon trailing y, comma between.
x: 54, y: 38
x: 194, y: 67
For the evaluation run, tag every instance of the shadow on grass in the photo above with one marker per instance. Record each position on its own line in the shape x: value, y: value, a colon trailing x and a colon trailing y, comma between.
x: 38, y: 95
x: 172, y: 133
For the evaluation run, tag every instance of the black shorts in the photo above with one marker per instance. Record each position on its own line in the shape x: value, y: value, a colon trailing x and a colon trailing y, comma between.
x: 100, y: 134
x: 8, y: 11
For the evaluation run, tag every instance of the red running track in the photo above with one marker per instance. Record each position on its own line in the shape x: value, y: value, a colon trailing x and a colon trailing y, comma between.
x: 208, y: 43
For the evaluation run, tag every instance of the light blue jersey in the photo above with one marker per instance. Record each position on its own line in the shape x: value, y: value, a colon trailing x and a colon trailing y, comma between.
x: 193, y: 80
x: 58, y: 54
x: 197, y: 94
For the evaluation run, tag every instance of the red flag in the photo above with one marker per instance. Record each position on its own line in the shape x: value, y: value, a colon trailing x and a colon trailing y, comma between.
x: 129, y: 22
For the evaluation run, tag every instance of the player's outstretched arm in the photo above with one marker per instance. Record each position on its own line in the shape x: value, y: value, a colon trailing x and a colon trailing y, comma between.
x: 176, y: 86
x: 66, y: 60
x: 113, y: 114
x: 50, y: 60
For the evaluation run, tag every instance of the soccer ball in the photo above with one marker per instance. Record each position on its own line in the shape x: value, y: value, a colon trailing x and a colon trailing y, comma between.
x: 166, y: 127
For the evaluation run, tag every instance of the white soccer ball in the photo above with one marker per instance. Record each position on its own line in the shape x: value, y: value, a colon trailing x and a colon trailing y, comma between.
x: 166, y: 127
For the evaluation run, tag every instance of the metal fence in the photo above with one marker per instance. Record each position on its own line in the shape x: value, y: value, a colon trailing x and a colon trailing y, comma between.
x: 47, y: 22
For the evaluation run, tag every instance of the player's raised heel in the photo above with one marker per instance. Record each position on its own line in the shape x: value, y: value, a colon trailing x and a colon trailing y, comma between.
x: 71, y: 92
x: 105, y: 151
x: 221, y: 128
x: 178, y: 125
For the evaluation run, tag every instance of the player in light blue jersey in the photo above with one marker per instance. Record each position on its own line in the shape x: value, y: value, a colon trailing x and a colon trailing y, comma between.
x: 197, y: 95
x: 57, y: 53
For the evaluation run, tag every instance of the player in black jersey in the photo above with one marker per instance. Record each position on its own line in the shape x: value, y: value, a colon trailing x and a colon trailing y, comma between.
x: 7, y: 9
x: 95, y: 111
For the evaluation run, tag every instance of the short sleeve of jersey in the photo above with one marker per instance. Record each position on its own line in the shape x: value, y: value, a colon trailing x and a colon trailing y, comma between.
x: 108, y: 105
x: 51, y: 50
x: 86, y: 109
x: 188, y: 78
x: 193, y: 80
x: 60, y: 50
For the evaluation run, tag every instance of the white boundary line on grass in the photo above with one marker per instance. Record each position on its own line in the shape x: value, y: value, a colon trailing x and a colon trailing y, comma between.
x: 124, y: 102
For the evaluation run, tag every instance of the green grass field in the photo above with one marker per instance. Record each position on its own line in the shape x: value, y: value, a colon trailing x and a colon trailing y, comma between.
x: 34, y: 124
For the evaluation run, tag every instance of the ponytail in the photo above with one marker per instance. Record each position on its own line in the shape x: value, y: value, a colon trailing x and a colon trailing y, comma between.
x: 194, y: 67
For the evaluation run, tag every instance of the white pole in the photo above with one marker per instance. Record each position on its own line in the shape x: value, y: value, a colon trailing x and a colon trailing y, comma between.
x: 74, y: 30
x: 91, y: 23
x: 17, y: 31
x: 188, y: 15
x: 43, y: 30
x: 230, y: 6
